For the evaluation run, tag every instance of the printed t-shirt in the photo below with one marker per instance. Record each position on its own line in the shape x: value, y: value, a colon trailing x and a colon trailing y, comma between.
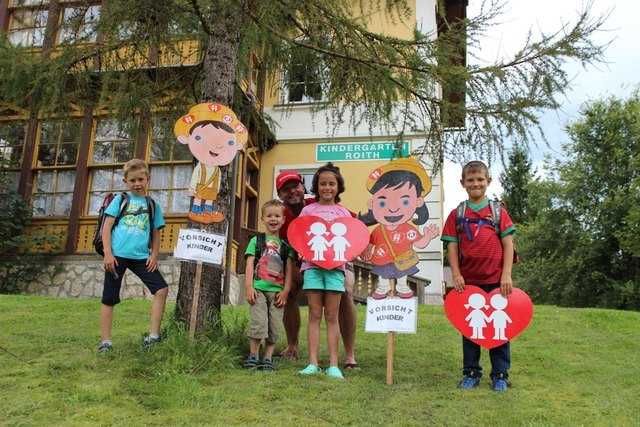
x: 270, y: 258
x: 130, y: 237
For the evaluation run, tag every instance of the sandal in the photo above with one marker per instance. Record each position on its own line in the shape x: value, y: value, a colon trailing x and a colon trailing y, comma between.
x: 352, y: 367
x: 266, y: 365
x: 249, y: 363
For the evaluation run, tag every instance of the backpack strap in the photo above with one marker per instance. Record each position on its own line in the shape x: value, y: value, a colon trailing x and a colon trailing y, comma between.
x: 496, y: 213
x: 462, y: 223
x: 124, y: 204
x: 151, y: 206
x: 260, y: 244
x: 284, y: 251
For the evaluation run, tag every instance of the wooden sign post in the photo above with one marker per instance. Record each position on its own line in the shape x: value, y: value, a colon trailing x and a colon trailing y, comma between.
x: 196, y: 298
x: 390, y: 339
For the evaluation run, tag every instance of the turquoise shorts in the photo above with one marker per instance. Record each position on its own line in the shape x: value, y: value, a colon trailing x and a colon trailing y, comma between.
x: 319, y: 279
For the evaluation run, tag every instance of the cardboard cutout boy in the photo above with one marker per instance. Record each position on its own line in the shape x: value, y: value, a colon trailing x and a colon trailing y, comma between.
x: 214, y: 136
x: 398, y: 190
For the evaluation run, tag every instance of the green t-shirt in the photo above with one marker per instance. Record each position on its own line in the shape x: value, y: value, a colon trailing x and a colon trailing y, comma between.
x: 268, y: 267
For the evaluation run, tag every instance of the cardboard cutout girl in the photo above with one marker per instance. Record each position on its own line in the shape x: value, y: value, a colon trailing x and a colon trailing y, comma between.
x: 214, y: 136
x: 398, y: 190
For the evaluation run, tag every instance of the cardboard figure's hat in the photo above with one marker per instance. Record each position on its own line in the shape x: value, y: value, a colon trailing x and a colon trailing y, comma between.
x: 405, y: 164
x: 211, y: 111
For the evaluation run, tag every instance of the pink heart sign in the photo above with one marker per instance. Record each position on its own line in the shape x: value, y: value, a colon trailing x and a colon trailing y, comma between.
x: 328, y: 244
x: 490, y: 319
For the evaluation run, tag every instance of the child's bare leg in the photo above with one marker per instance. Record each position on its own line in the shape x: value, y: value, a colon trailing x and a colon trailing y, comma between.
x: 106, y: 321
x: 314, y: 299
x: 331, y: 305
x: 254, y: 346
x: 269, y: 347
x: 157, y: 310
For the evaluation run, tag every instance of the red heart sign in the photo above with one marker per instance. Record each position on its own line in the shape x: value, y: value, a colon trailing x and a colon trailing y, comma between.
x: 328, y: 244
x: 489, y: 320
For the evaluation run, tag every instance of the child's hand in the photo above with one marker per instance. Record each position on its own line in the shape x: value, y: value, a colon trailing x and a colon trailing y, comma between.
x: 152, y: 263
x: 110, y: 263
x: 252, y: 295
x: 281, y: 298
x: 506, y: 285
x: 458, y: 283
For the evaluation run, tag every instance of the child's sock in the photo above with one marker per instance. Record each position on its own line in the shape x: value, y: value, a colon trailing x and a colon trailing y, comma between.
x: 208, y: 208
x: 107, y: 342
x: 196, y: 209
x: 154, y: 336
x: 253, y: 356
x: 267, y: 359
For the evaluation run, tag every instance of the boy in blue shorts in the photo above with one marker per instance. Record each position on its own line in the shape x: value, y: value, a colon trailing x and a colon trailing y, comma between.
x: 132, y: 244
x: 268, y: 282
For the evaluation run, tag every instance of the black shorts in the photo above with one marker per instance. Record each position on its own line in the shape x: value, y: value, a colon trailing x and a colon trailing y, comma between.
x: 153, y: 280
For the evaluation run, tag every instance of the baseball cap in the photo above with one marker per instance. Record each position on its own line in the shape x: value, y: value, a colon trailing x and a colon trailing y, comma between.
x: 286, y: 176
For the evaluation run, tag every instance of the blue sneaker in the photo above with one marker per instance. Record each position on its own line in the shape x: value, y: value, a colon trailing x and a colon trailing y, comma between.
x: 469, y: 382
x: 500, y: 385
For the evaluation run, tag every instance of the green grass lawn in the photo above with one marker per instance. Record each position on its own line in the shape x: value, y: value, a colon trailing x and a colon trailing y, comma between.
x: 571, y: 367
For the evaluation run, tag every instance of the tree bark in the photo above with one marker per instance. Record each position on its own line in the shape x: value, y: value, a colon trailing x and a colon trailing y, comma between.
x: 218, y: 83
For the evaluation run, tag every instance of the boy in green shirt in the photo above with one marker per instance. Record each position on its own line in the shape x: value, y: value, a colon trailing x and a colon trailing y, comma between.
x: 268, y: 281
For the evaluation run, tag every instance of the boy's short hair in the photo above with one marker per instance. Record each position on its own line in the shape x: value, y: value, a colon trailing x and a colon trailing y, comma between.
x: 475, y: 166
x: 270, y: 203
x: 135, y: 164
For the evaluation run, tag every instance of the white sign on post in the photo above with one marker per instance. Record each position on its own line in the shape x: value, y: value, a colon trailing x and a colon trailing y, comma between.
x: 392, y: 315
x: 196, y: 245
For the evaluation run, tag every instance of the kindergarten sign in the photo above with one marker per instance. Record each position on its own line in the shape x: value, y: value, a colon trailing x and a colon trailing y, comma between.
x: 196, y: 245
x: 392, y: 315
x: 359, y: 151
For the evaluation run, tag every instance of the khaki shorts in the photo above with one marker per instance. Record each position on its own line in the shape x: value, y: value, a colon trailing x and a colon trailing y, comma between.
x: 265, y: 320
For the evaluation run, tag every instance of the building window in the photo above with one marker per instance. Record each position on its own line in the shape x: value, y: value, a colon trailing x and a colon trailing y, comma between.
x: 59, y: 142
x: 79, y: 24
x: 171, y: 165
x: 53, y: 193
x: 304, y: 80
x: 55, y: 173
x: 113, y: 143
x: 12, y: 137
x: 27, y: 22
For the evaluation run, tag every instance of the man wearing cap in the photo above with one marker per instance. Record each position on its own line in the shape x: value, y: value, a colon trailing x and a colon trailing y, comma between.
x: 290, y: 188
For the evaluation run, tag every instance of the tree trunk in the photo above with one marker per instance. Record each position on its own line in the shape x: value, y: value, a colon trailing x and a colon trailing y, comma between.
x: 218, y: 83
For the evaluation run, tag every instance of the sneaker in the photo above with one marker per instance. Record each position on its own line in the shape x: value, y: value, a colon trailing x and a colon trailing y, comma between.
x: 500, y: 385
x: 334, y: 372
x: 310, y: 370
x: 149, y: 342
x: 250, y: 362
x: 469, y: 382
x: 104, y: 347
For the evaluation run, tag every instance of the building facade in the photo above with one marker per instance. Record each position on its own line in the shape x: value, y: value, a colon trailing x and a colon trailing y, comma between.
x: 65, y: 164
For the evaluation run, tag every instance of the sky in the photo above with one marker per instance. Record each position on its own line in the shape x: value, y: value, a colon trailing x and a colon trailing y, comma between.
x: 617, y: 77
